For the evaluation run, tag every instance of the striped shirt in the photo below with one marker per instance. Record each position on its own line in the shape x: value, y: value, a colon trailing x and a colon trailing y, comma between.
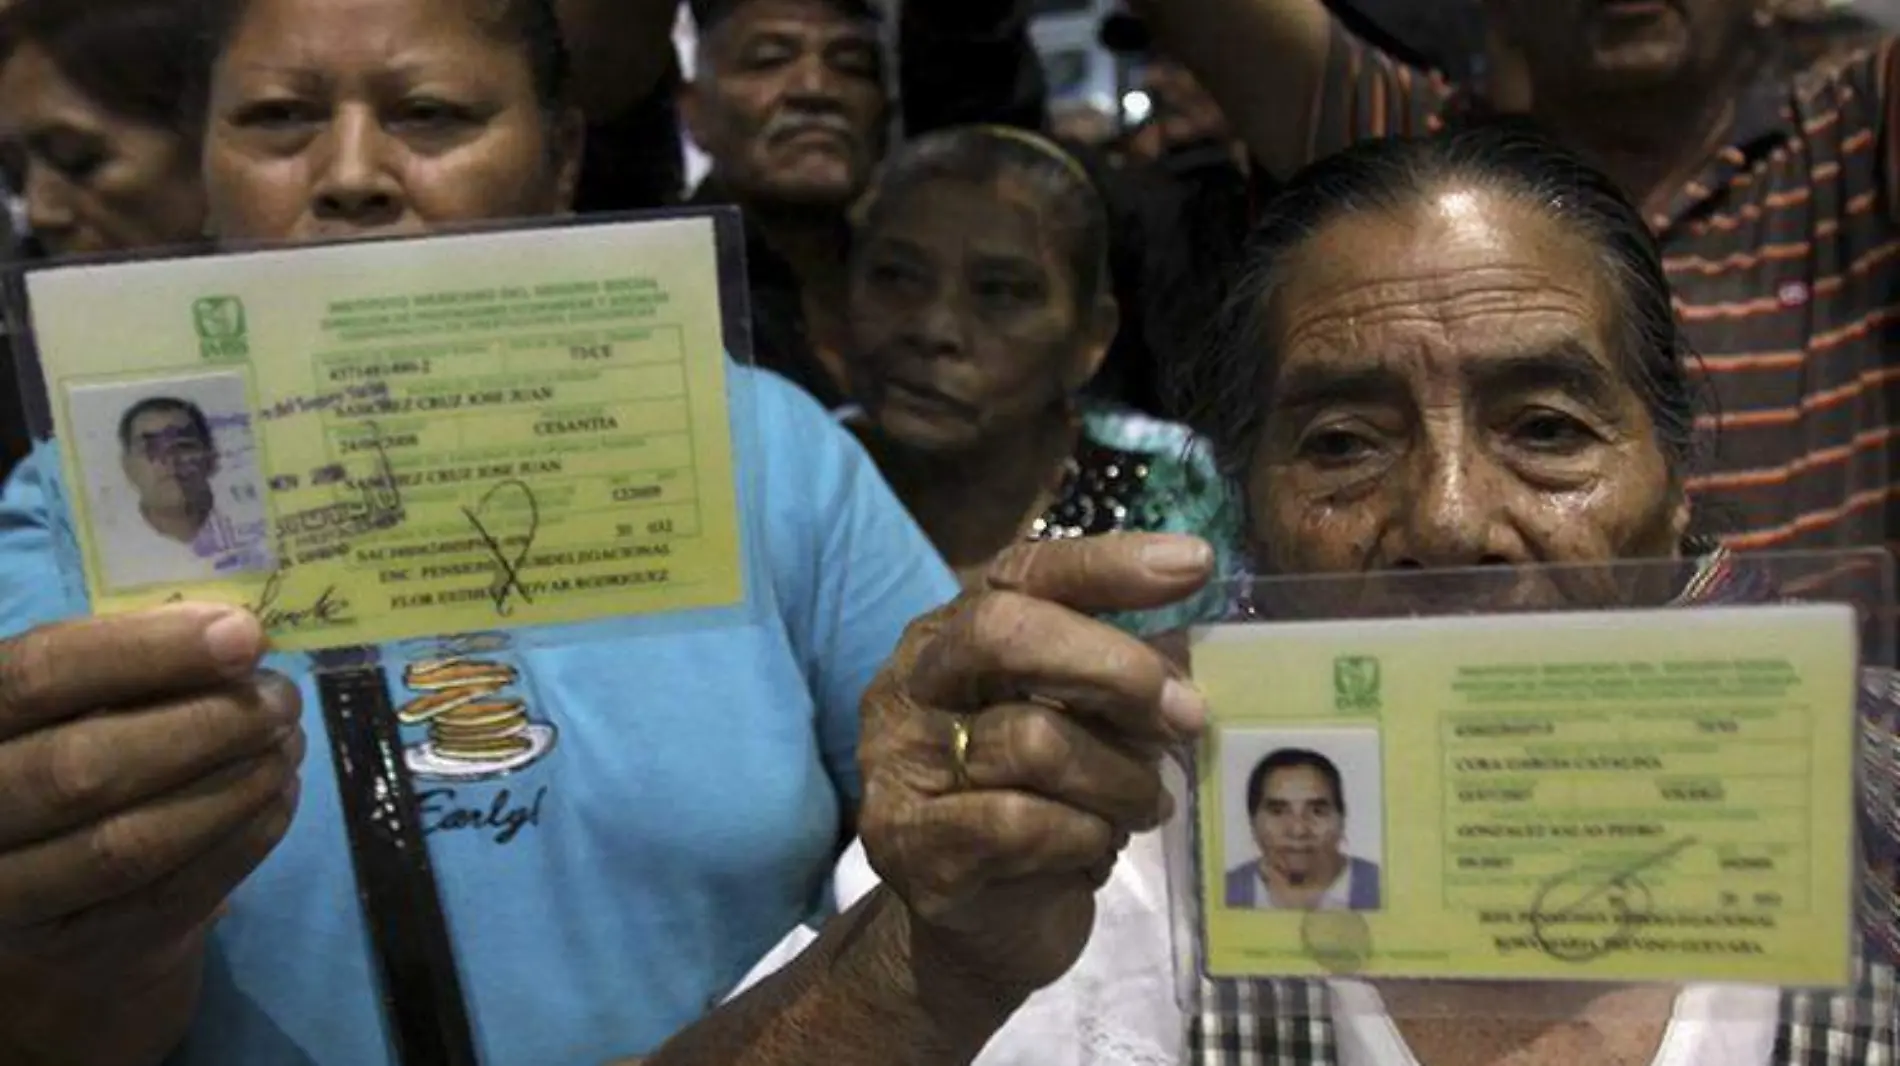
x: 1784, y: 255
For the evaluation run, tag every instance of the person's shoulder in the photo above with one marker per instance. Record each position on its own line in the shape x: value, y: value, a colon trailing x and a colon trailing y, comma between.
x: 819, y: 486
x: 1863, y: 74
x: 1182, y: 491
x: 778, y: 404
x: 1179, y: 461
x: 801, y: 460
x: 794, y: 437
x: 1182, y: 472
x: 1126, y: 429
x: 37, y: 584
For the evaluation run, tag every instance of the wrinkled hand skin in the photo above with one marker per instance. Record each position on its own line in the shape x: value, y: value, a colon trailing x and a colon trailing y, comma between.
x: 142, y: 777
x: 1068, y: 720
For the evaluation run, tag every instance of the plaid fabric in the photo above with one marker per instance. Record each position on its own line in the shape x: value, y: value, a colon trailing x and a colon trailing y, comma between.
x: 1262, y: 1023
x: 1289, y: 1022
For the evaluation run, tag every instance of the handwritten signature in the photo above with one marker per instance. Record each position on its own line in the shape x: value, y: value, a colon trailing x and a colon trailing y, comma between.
x: 1618, y: 890
x: 330, y: 608
x: 507, y: 584
x: 378, y: 505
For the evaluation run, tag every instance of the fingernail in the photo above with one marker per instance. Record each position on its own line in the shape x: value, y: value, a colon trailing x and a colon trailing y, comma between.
x: 235, y: 641
x: 279, y: 696
x: 1183, y: 706
x: 1176, y: 555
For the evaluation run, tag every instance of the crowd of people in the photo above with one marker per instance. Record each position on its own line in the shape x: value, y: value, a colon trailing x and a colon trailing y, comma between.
x: 1025, y: 391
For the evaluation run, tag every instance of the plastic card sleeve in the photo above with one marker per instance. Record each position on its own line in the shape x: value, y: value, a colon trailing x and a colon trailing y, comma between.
x: 500, y: 437
x: 1661, y: 786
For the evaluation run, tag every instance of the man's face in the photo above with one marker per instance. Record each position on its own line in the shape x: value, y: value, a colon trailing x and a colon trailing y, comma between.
x: 789, y: 103
x: 1576, y: 46
x: 168, y: 460
x: 1299, y: 823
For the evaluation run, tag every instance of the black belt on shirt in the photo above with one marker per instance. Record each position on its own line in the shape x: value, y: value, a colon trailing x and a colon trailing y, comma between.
x: 421, y: 988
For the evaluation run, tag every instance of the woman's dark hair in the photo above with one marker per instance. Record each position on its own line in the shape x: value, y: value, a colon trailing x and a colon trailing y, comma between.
x: 135, y: 58
x: 1221, y: 387
x: 1287, y: 759
x: 200, y: 425
x: 530, y: 23
x: 981, y: 155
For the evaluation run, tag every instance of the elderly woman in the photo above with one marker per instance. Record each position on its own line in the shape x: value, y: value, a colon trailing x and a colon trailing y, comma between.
x: 91, y: 140
x: 90, y: 126
x: 1452, y: 352
x: 980, y: 314
x: 1461, y: 352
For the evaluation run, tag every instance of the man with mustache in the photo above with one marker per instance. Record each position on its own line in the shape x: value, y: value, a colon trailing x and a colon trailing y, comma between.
x: 1770, y: 185
x: 789, y: 101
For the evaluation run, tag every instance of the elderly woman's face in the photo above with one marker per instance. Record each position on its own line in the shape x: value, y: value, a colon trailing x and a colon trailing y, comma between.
x: 964, y: 322
x: 93, y: 181
x: 1448, y: 396
x: 343, y: 118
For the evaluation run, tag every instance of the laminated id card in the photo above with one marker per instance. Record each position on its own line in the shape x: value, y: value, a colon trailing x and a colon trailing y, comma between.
x: 1660, y: 793
x: 390, y: 440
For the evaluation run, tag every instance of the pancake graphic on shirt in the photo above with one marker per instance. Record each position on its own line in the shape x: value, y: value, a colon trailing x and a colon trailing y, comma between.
x: 473, y: 706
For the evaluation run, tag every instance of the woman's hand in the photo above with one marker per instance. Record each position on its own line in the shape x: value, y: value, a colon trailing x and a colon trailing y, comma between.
x: 146, y: 767
x: 1013, y: 744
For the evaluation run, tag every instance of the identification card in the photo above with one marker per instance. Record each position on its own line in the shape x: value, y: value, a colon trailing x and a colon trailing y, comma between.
x: 1653, y: 795
x: 372, y: 442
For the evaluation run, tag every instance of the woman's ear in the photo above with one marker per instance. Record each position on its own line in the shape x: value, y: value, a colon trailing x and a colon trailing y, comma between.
x: 1098, y: 335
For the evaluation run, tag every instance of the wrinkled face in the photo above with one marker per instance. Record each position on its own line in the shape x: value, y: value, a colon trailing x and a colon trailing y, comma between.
x: 789, y: 103
x: 347, y: 118
x: 963, y: 316
x: 92, y: 181
x: 1579, y: 46
x: 1299, y: 824
x: 1447, y: 396
x: 168, y: 461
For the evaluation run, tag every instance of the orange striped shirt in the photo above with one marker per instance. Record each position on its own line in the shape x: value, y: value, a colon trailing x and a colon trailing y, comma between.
x: 1784, y: 254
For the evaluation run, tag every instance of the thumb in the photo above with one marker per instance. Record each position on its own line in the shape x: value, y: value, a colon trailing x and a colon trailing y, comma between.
x: 1113, y: 572
x: 63, y: 671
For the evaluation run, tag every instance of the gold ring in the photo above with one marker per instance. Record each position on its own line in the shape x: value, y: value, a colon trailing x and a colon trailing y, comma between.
x: 960, y: 750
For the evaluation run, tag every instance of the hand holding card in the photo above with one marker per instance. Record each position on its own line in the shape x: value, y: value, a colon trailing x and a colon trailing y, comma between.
x: 1615, y: 795
x: 1004, y: 774
x: 135, y: 795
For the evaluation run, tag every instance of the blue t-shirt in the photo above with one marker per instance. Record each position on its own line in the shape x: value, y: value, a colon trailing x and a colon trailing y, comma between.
x: 678, y: 813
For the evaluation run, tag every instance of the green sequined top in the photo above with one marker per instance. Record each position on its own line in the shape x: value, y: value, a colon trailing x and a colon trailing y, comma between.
x: 1134, y: 473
